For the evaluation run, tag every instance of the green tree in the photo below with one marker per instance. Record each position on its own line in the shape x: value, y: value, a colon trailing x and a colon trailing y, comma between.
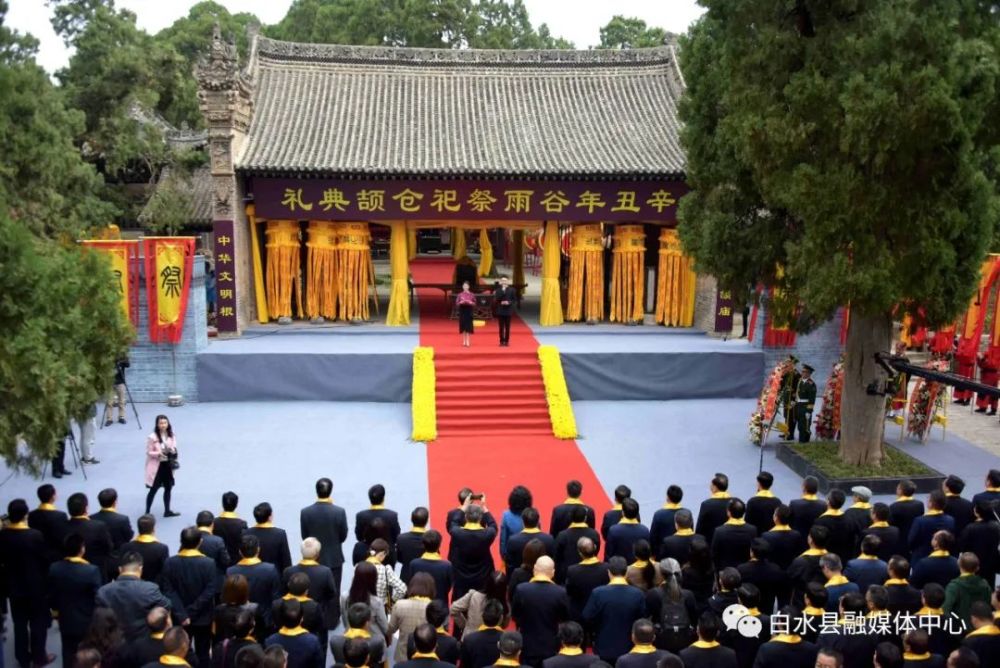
x: 852, y: 144
x: 623, y: 31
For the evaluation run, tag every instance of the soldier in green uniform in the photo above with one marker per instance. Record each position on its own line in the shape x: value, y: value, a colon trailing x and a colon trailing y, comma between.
x: 805, y: 399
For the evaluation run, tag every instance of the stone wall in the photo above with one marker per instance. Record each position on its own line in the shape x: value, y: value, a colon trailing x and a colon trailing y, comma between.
x: 704, y: 304
x: 159, y: 370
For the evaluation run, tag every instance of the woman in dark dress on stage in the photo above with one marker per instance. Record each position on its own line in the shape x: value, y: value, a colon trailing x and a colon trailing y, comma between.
x: 465, y: 302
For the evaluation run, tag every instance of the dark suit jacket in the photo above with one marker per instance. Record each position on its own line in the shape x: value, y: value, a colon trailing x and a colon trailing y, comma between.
x: 304, y: 651
x: 982, y: 538
x: 803, y: 570
x: 643, y: 660
x: 866, y: 572
x: 890, y: 540
x: 769, y: 578
x: 538, y: 608
x: 843, y: 535
x: 119, y: 526
x: 712, y: 514
x: 562, y: 517
x: 804, y: 513
x: 986, y: 647
x: 457, y: 516
x: 230, y: 530
x: 566, y: 553
x: 146, y: 650
x: 610, y: 612
x: 934, y: 569
x: 565, y: 661
x: 509, y: 295
x: 72, y: 588
x: 731, y: 545
x: 409, y: 546
x: 367, y: 516
x: 861, y: 517
x: 273, y: 546
x: 776, y: 654
x: 923, y: 529
x: 322, y: 589
x: 760, y: 511
x: 986, y: 496
x: 23, y: 562
x: 785, y: 546
x: 97, y: 538
x: 516, y: 543
x: 960, y: 509
x: 611, y: 518
x: 52, y: 524
x: 660, y: 527
x: 470, y: 557
x: 621, y: 540
x: 265, y: 586
x: 154, y: 555
x: 131, y: 599
x: 448, y: 648
x: 441, y: 571
x: 190, y: 583
x: 424, y: 663
x: 214, y: 548
x: 676, y: 547
x: 716, y: 657
x: 903, y: 598
x: 327, y: 523
x: 312, y: 614
x: 902, y: 514
x: 581, y: 580
x: 479, y: 648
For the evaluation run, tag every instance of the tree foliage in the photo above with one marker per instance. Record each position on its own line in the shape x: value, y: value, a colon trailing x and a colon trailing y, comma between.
x: 622, y: 32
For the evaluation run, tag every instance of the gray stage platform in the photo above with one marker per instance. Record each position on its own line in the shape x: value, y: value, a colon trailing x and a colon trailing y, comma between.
x: 347, y: 364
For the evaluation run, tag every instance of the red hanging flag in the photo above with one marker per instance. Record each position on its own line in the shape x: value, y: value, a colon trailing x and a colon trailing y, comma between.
x: 169, y: 263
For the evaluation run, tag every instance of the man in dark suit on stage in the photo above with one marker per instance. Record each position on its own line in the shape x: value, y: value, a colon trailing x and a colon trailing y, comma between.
x: 119, y: 525
x: 562, y: 515
x: 24, y: 564
x: 662, y: 524
x: 678, y: 545
x: 430, y: 562
x: 538, y: 607
x: 622, y: 536
x: 327, y: 523
x: 903, y: 597
x: 410, y: 544
x: 765, y: 575
x: 154, y: 553
x: 903, y: 511
x: 714, y: 510
x: 785, y: 542
x: 229, y: 527
x: 50, y: 521
x: 189, y: 581
x: 760, y: 507
x: 469, y: 552
x: 376, y: 496
x: 583, y: 578
x: 731, y: 543
x: 72, y: 587
x: 516, y: 543
x: 425, y: 641
x: 612, y: 516
x: 844, y: 533
x: 611, y: 610
x: 805, y: 510
x: 805, y: 568
x: 887, y: 534
x: 130, y: 597
x: 95, y: 534
x: 860, y: 511
x: 504, y: 297
x: 567, y: 554
x: 273, y: 541
x: 457, y: 515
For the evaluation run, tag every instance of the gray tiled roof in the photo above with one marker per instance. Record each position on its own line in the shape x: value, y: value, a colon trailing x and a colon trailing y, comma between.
x: 198, y: 190
x: 379, y: 111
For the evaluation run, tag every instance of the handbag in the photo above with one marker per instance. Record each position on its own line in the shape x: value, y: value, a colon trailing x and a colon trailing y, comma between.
x: 172, y: 458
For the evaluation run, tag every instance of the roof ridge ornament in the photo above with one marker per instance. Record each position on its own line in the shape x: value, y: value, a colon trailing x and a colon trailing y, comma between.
x: 219, y: 68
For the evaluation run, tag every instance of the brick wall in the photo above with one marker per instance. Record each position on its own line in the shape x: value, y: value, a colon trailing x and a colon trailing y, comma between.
x: 159, y: 370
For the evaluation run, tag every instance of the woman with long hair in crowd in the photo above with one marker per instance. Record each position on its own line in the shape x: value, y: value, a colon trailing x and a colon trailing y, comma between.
x: 105, y: 635
x: 376, y: 529
x: 388, y: 586
x: 410, y: 612
x: 511, y: 523
x: 235, y: 599
x: 673, y: 609
x: 698, y: 574
x: 363, y: 588
x: 641, y: 573
x: 533, y: 549
x: 161, y: 460
x: 467, y: 611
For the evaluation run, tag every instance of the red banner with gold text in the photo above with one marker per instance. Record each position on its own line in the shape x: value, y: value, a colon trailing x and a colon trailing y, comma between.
x: 169, y: 265
x: 124, y: 259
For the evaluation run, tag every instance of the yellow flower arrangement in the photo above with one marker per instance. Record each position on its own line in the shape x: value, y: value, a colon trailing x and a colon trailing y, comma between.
x: 556, y: 393
x: 424, y: 400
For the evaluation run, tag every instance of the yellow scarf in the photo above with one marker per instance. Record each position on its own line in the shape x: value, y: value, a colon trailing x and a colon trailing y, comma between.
x: 425, y: 655
x: 735, y: 522
x: 704, y: 644
x: 500, y: 662
x: 810, y: 497
x: 472, y: 527
x: 47, y: 506
x: 765, y: 494
x: 781, y: 527
x: 813, y: 552
x: 910, y: 656
x: 146, y: 538
x: 308, y: 562
x: 861, y: 505
x: 896, y: 581
x: 571, y: 651
x: 541, y: 578
x: 264, y: 525
x: 578, y: 525
x: 985, y: 630
x: 836, y: 580
x: 926, y: 612
x: 684, y: 532
x: 789, y: 638
x: 720, y: 495
x: 532, y: 530
x: 625, y: 520
x: 297, y: 631
x: 940, y: 553
x: 431, y: 556
x: 618, y: 580
x: 229, y: 515
x: 326, y: 500
x: 189, y: 553
x: 934, y: 512
x: 76, y: 560
x: 642, y: 649
x: 589, y: 561
x: 832, y: 512
x: 573, y: 502
x: 357, y: 633
x: 878, y: 525
x: 248, y: 561
x: 171, y: 660
x: 672, y: 506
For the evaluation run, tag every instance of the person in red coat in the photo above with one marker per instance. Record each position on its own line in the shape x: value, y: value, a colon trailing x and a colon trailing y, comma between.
x: 989, y: 373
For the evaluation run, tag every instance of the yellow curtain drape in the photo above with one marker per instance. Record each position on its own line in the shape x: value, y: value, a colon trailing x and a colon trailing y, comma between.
x: 354, y: 270
x: 551, y: 313
x: 283, y: 266
x: 321, y: 273
x: 457, y: 242
x: 675, y: 287
x: 399, y: 293
x: 260, y: 293
x: 627, y: 285
x: 517, y: 244
x: 485, y: 253
x: 585, y: 299
x: 411, y: 243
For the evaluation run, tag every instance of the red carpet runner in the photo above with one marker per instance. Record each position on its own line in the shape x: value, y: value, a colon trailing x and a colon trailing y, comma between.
x: 493, y: 424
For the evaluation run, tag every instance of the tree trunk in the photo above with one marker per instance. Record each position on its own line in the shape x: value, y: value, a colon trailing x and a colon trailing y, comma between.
x: 862, y: 421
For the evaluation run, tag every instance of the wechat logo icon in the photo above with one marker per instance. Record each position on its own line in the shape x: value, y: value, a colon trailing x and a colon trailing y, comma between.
x: 738, y: 617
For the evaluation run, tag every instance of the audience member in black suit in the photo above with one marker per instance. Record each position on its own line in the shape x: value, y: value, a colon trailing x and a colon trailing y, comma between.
x: 23, y: 562
x: 229, y: 527
x: 622, y: 536
x: 312, y: 613
x: 725, y: 591
x: 903, y: 597
x: 991, y: 495
x: 523, y: 573
x: 322, y: 587
x: 430, y: 562
x: 787, y: 650
x: 714, y: 510
x: 707, y: 652
x: 857, y: 649
x: 698, y: 573
x: 410, y: 544
x: 119, y: 525
x: 611, y: 610
x: 611, y: 517
x: 213, y: 547
x: 190, y: 582
x: 72, y: 586
x: 662, y: 525
x: 765, y: 575
x: 358, y: 638
x: 154, y: 553
x: 571, y: 653
x: 95, y: 534
x: 562, y: 515
x: 425, y: 643
x: 931, y: 610
x: 761, y: 506
x: 59, y: 460
x: 785, y: 542
x: 643, y: 653
x: 806, y: 509
x: 843, y: 538
x: 130, y: 597
x: 327, y: 523
x: 176, y: 647
x: 887, y: 534
x: 448, y: 648
x: 982, y: 537
x: 262, y: 577
x: 479, y: 647
x: 567, y: 553
x: 584, y: 577
x: 376, y: 496
x: 469, y: 552
x: 939, y: 566
x: 224, y: 651
x: 50, y: 521
x: 148, y: 648
x: 273, y: 541
x: 815, y: 608
x: 746, y: 647
x: 984, y: 639
x: 903, y: 511
x: 923, y: 528
x: 860, y: 511
x: 510, y: 645
x: 731, y: 542
x: 955, y: 505
x: 531, y: 531
x: 916, y: 651
x: 805, y: 568
x: 538, y: 607
x: 672, y: 608
x: 678, y: 544
x: 867, y: 569
x: 887, y: 655
x: 302, y: 648
x: 457, y: 515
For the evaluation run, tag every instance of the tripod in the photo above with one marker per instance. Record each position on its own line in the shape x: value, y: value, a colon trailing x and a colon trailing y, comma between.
x: 135, y: 412
x: 74, y: 449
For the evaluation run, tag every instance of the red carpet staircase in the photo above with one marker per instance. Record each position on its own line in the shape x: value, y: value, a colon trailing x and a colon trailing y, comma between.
x: 496, y: 392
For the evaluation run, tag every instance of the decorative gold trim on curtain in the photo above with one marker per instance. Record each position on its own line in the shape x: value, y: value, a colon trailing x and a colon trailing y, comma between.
x: 355, y: 270
x: 283, y: 266
x: 321, y: 274
x: 411, y: 243
x: 675, y: 287
x: 585, y: 298
x: 260, y: 294
x: 457, y: 242
x: 485, y: 252
x: 551, y: 312
x: 627, y: 285
x: 399, y: 294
